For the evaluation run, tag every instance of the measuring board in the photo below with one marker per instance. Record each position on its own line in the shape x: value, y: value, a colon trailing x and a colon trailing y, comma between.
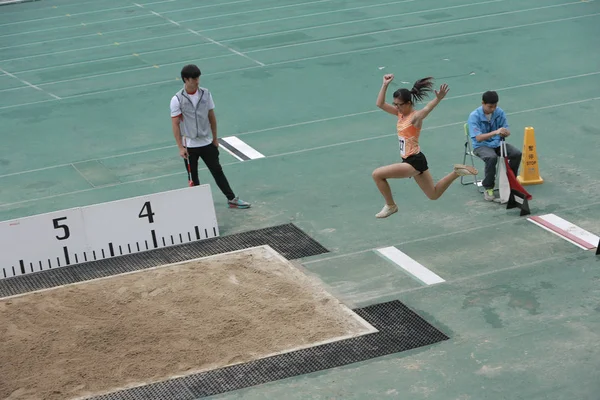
x: 105, y: 230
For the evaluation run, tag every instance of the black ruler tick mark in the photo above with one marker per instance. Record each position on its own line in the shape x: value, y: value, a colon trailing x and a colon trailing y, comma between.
x: 154, y: 242
x: 66, y: 251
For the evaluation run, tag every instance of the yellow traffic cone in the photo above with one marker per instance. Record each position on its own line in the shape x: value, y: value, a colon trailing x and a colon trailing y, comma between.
x: 530, y: 172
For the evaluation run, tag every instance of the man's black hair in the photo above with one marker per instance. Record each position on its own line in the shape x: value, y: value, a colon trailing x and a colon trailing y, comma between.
x: 490, y: 97
x: 190, y: 71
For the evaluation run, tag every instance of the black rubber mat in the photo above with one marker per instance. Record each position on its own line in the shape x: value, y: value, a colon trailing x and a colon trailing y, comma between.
x: 288, y: 240
x: 400, y: 329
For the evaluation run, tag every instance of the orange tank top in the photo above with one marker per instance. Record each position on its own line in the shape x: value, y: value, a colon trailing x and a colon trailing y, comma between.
x: 408, y: 135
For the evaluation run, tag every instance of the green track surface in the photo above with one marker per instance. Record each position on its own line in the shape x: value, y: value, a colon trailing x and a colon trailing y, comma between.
x: 521, y: 305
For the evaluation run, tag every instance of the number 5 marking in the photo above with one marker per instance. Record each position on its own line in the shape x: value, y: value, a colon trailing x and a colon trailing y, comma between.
x: 64, y: 227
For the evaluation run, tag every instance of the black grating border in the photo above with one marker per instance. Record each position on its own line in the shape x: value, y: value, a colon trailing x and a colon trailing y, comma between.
x: 287, y: 239
x: 400, y: 329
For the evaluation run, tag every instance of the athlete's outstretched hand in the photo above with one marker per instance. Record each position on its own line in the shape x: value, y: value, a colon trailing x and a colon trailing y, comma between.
x: 442, y: 92
x: 387, y: 78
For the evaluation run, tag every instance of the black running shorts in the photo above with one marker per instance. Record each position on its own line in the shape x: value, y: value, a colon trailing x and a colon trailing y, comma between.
x: 418, y: 161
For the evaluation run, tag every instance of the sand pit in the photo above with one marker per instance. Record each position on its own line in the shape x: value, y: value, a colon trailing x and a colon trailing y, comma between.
x: 112, y: 333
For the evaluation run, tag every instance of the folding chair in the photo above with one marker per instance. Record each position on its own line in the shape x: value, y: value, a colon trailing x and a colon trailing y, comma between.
x: 469, y: 152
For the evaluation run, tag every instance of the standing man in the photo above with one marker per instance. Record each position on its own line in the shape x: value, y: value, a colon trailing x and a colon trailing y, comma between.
x: 195, y: 130
x: 487, y: 127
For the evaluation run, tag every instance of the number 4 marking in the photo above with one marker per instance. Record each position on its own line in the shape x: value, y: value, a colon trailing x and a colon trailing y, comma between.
x: 149, y: 214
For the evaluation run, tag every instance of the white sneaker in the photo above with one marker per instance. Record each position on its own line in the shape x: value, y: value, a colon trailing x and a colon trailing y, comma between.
x: 489, y: 195
x: 386, y: 211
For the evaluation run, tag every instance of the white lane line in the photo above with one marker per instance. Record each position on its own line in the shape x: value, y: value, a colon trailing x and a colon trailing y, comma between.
x: 495, y: 15
x: 355, y: 21
x: 148, y: 15
x: 133, y: 70
x: 409, y: 265
x: 74, y: 38
x: 226, y: 47
x: 170, y: 49
x: 28, y: 21
x: 255, y: 11
x: 220, y: 27
x: 29, y: 84
x: 38, y: 9
x: 53, y: 53
x: 82, y: 175
x: 432, y: 39
x: 333, y: 119
x: 469, y: 277
x: 206, y: 38
x: 272, y: 156
x: 443, y: 235
x: 305, y: 58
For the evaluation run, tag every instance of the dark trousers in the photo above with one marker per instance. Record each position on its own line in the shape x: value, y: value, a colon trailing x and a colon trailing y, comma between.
x: 210, y: 156
x: 490, y: 158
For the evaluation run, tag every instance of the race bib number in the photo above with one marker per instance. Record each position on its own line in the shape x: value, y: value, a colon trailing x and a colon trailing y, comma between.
x: 402, y: 145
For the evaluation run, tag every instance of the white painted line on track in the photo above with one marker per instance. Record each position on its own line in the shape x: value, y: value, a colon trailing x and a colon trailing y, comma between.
x: 410, y: 266
x: 268, y: 156
x: 29, y: 84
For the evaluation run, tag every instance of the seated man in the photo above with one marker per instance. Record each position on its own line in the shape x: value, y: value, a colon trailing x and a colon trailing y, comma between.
x: 487, y: 125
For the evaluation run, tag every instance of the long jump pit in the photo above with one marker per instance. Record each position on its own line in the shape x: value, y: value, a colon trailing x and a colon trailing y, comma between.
x: 97, y: 337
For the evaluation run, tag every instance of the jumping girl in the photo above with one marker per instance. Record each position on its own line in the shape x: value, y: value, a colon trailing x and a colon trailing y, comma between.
x: 414, y: 163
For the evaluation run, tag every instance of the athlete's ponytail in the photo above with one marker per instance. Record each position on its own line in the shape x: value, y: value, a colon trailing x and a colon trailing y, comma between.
x: 418, y: 91
x: 421, y: 87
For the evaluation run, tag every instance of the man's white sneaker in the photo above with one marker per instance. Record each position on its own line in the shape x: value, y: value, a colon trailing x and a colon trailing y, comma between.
x: 489, y: 195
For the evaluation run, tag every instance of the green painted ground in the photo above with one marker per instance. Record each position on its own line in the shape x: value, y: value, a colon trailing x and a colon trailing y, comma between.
x: 521, y: 305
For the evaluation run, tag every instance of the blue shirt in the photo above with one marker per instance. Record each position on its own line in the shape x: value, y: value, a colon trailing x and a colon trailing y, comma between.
x: 478, y: 124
